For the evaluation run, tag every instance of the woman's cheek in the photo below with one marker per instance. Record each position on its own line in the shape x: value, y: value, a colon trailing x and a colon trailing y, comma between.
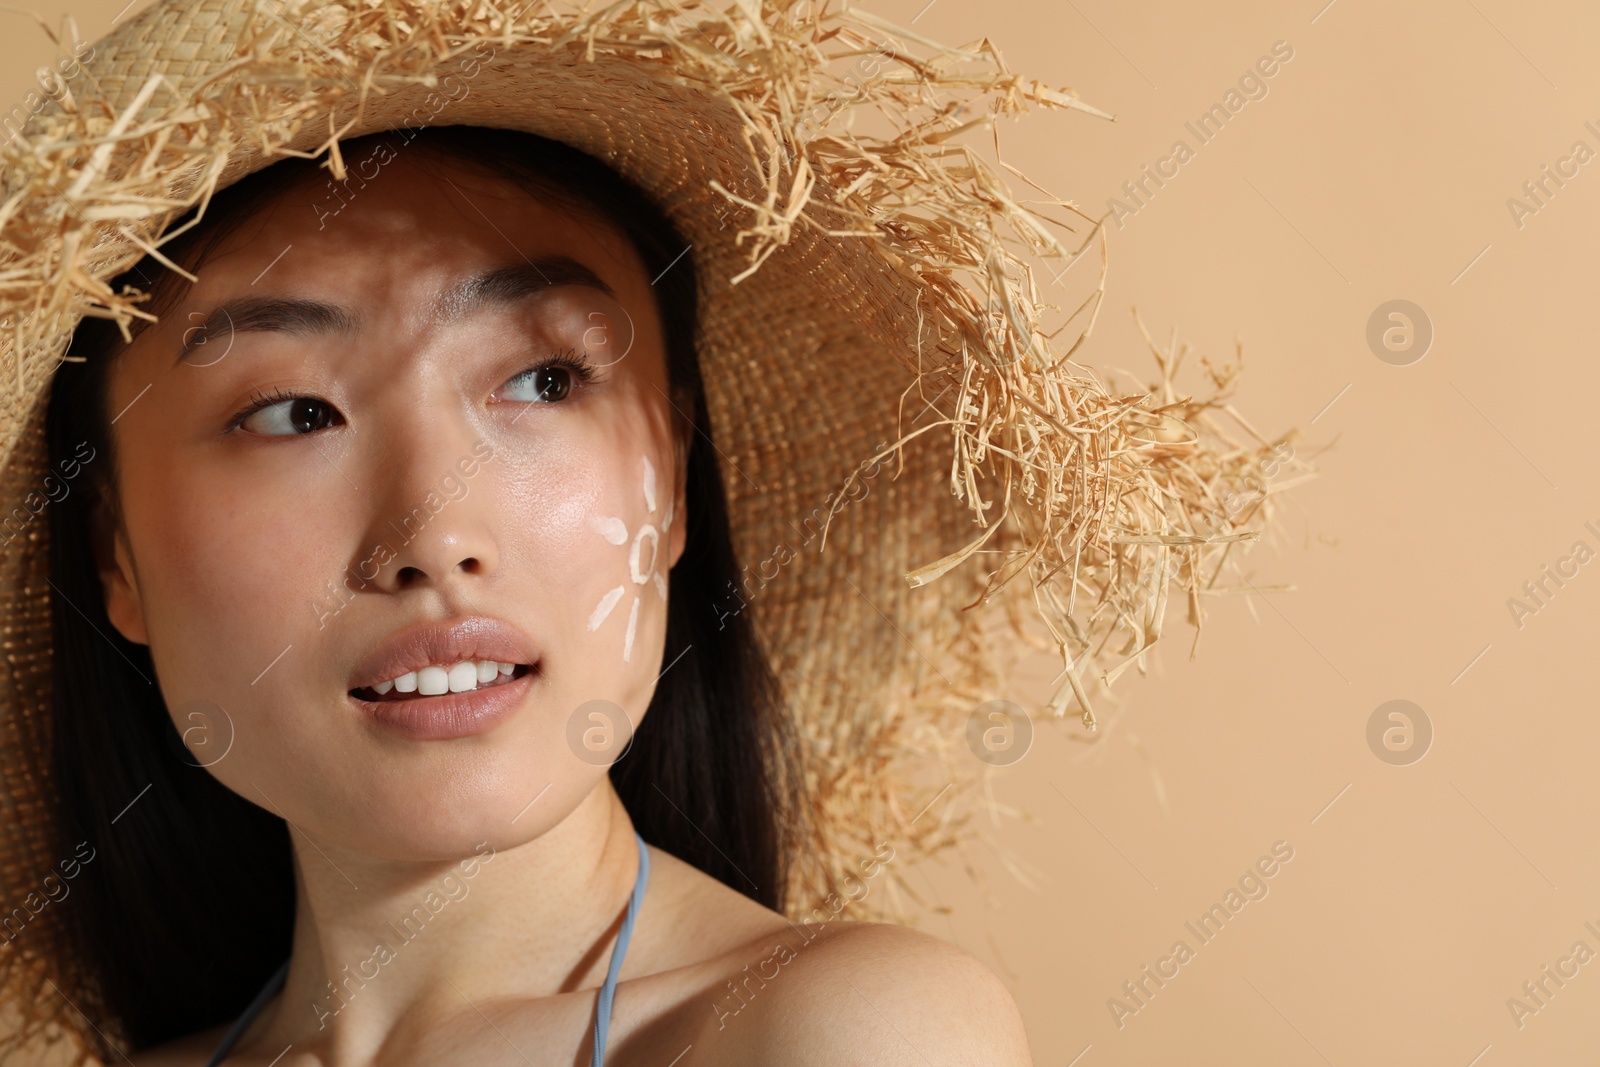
x: 628, y: 537
x: 198, y: 560
x: 232, y: 587
x: 542, y: 525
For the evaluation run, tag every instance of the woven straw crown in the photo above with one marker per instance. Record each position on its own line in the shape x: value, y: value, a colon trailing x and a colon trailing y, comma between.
x: 867, y: 295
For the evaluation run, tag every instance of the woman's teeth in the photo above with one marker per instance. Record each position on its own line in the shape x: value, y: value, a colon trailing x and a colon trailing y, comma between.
x: 454, y: 678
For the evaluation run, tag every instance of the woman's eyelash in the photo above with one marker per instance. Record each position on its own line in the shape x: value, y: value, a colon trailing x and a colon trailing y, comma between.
x: 574, y: 361
x: 259, y: 401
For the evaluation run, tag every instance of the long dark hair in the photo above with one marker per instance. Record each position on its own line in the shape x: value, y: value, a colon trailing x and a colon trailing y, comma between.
x: 188, y: 905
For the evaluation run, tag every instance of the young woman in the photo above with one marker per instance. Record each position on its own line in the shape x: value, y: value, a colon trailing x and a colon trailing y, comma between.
x: 406, y: 522
x: 382, y: 685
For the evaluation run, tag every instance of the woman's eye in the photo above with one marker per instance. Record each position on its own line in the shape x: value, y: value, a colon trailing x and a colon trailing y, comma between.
x: 281, y: 415
x: 295, y: 415
x: 545, y: 384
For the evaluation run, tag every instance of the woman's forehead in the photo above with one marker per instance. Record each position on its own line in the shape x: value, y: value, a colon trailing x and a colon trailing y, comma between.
x: 430, y: 221
x: 444, y: 296
x: 415, y: 247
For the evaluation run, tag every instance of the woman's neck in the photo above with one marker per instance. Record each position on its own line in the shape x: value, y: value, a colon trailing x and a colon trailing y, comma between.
x: 378, y: 940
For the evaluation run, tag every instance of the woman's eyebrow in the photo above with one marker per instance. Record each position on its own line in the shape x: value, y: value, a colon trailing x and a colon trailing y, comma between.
x: 511, y: 282
x: 264, y: 314
x: 495, y: 287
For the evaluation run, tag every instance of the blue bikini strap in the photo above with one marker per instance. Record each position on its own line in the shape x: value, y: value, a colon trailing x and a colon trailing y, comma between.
x: 602, y: 1008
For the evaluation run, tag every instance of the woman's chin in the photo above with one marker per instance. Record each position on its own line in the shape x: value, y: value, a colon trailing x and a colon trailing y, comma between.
x: 433, y: 841
x: 423, y: 818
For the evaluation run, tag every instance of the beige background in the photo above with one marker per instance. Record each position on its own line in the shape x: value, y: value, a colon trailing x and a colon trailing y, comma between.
x: 1422, y: 897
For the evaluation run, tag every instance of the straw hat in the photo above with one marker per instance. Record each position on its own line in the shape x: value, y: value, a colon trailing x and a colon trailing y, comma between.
x: 868, y: 298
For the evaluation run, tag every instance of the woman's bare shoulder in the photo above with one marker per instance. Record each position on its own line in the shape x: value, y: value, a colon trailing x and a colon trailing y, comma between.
x: 864, y: 992
x: 706, y: 918
x: 191, y: 1051
x: 739, y: 983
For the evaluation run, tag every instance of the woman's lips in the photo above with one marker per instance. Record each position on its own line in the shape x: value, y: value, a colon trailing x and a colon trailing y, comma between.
x: 473, y: 637
x: 448, y: 715
x: 389, y: 691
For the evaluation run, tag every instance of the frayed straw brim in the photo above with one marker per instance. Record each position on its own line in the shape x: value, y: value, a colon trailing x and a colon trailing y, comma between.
x: 860, y: 264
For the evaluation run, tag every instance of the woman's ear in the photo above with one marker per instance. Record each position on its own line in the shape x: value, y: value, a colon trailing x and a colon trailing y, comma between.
x: 117, y: 582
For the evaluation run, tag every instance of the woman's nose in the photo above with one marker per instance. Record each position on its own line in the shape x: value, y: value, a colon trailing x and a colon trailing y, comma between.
x: 436, y: 511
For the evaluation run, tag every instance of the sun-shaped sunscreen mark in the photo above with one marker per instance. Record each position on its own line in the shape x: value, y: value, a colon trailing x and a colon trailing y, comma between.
x: 640, y: 570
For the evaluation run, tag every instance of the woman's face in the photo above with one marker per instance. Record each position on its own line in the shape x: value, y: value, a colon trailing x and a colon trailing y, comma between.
x: 407, y: 466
